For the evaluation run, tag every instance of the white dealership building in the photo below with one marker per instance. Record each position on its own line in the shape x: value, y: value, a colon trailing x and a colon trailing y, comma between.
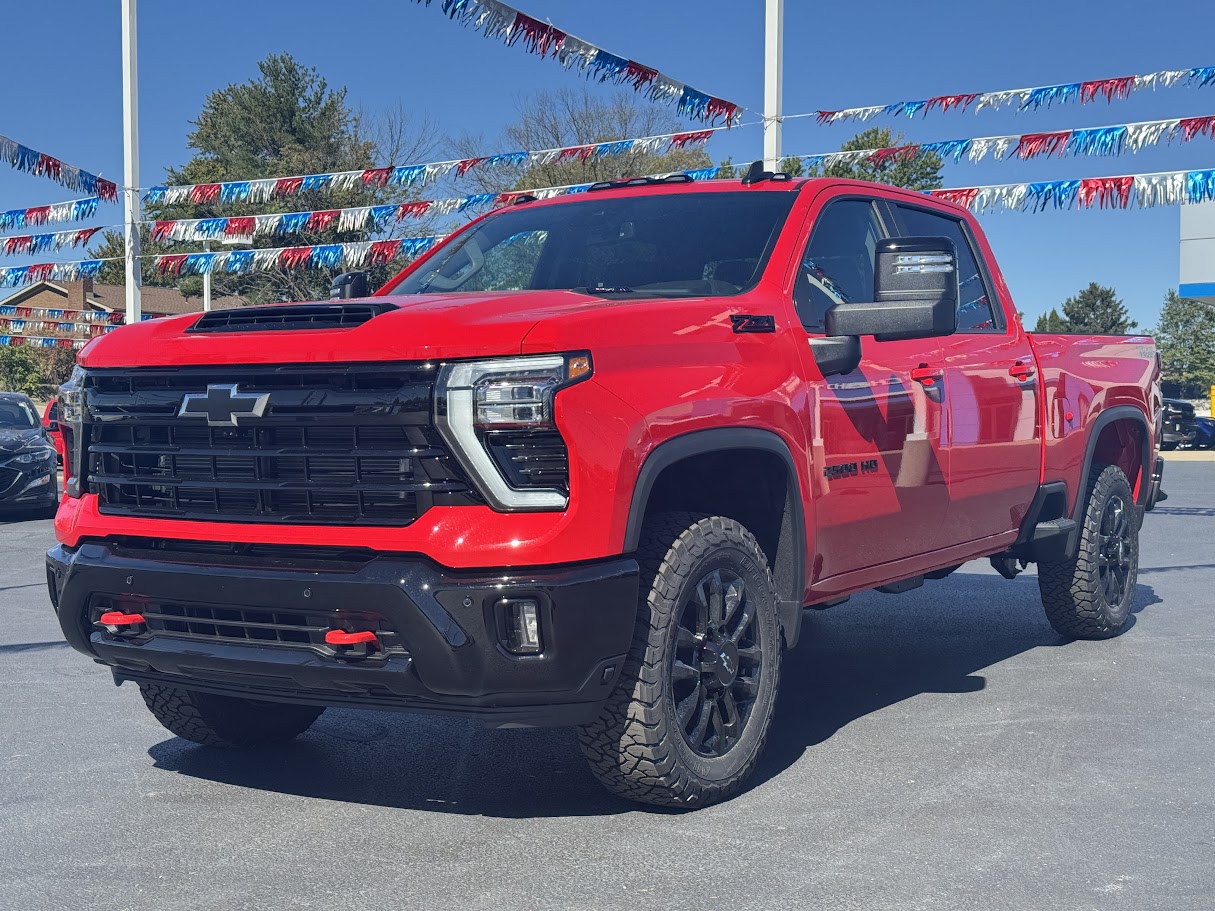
x: 1198, y: 251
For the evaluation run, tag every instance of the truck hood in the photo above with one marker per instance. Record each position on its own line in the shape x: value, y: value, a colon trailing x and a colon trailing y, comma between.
x: 418, y: 327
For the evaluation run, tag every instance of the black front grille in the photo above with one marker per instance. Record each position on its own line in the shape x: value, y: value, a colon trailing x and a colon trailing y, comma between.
x: 335, y: 445
x: 8, y: 477
x: 282, y: 317
x: 248, y: 625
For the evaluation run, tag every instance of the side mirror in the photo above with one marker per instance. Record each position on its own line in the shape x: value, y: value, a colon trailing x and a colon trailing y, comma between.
x: 349, y: 285
x: 52, y: 427
x: 915, y: 295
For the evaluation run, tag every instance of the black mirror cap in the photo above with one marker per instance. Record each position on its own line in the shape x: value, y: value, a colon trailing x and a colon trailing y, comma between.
x: 892, y: 321
x: 349, y: 285
x: 836, y: 355
x: 916, y: 268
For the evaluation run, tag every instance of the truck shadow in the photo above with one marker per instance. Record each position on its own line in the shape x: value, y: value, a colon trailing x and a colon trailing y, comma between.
x: 853, y: 661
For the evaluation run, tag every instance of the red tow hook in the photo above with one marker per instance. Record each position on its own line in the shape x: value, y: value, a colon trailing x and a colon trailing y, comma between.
x: 117, y: 623
x: 352, y: 645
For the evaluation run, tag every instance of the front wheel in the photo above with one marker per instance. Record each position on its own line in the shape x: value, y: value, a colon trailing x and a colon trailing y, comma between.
x: 690, y: 714
x: 1090, y: 596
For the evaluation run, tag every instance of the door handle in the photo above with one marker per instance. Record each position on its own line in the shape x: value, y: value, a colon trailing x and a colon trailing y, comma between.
x: 1021, y: 372
x: 927, y: 376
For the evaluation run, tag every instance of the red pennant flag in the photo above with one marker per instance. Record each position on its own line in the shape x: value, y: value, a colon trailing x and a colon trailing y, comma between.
x: 295, y: 257
x: 383, y: 251
x: 376, y: 177
x: 240, y: 226
x: 464, y: 166
x: 1032, y: 145
x: 413, y: 209
x: 320, y: 221
x: 204, y: 193
x: 683, y: 140
x: 162, y: 229
x: 1107, y: 88
x: 37, y: 215
x: 963, y: 197
x: 640, y: 76
x: 1106, y: 192
x: 288, y: 186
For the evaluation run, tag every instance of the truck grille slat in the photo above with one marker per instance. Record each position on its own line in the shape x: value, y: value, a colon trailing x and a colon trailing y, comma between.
x: 335, y: 445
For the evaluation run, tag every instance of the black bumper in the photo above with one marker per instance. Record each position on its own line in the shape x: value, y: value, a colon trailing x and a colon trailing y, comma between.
x: 447, y: 656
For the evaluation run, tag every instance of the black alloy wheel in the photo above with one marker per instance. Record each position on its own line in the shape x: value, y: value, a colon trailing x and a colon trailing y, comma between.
x: 716, y: 664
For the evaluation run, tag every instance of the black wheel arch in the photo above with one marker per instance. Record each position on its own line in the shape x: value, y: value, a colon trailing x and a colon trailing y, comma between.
x: 789, y: 567
x: 1103, y: 420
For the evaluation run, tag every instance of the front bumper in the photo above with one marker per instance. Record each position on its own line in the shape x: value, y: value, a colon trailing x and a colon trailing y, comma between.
x: 449, y: 658
x: 27, y: 486
x: 1182, y: 435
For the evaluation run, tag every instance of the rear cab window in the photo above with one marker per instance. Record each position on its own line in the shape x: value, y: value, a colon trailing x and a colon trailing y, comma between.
x: 978, y: 307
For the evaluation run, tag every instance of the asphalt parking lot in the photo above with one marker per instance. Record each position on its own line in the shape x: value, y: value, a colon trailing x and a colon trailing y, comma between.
x: 940, y: 749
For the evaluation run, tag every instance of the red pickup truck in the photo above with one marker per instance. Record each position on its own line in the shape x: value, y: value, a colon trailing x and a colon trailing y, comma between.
x: 585, y: 463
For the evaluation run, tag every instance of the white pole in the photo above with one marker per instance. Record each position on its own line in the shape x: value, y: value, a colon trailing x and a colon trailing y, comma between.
x: 130, y: 156
x: 207, y: 281
x: 774, y: 79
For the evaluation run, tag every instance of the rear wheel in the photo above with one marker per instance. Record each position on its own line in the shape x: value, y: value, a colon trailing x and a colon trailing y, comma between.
x: 225, y: 721
x: 690, y: 714
x: 1090, y: 596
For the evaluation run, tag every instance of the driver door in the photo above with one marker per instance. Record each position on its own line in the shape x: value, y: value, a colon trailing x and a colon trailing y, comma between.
x: 879, y: 463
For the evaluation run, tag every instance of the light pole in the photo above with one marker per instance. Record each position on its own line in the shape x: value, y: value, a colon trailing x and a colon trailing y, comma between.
x: 774, y: 78
x: 207, y: 281
x: 130, y: 163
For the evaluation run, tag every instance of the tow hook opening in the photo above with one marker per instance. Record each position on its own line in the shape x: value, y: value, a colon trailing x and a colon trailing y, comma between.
x: 352, y: 645
x: 118, y: 623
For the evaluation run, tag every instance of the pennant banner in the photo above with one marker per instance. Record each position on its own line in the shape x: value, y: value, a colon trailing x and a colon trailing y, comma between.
x: 15, y: 341
x: 1029, y: 99
x: 15, y: 276
x: 1145, y: 191
x: 42, y: 243
x: 508, y: 25
x: 414, y: 175
x: 42, y: 165
x: 58, y: 213
x: 19, y: 326
x: 1095, y: 141
x: 319, y: 256
x: 60, y: 315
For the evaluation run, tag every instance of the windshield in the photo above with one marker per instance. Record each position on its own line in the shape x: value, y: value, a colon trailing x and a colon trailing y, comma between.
x: 687, y: 244
x: 18, y: 415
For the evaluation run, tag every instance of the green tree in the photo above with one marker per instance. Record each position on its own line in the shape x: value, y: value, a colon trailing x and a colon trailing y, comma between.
x: 1097, y: 310
x: 21, y: 370
x: 1185, y: 338
x: 1051, y: 322
x: 912, y: 171
x: 287, y: 121
x: 568, y: 117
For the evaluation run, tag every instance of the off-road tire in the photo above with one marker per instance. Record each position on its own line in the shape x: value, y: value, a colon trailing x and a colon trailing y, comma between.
x: 225, y: 721
x: 1076, y: 602
x: 636, y: 747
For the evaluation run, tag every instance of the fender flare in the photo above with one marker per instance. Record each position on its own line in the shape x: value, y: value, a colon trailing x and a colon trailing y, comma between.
x: 1104, y: 419
x: 700, y: 442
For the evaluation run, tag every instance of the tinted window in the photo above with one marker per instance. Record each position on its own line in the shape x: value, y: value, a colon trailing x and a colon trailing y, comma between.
x: 15, y: 413
x: 837, y: 266
x: 974, y: 304
x: 691, y: 243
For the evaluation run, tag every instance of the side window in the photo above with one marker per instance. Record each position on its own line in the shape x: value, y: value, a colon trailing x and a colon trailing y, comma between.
x: 975, y: 310
x: 837, y: 266
x: 506, y: 266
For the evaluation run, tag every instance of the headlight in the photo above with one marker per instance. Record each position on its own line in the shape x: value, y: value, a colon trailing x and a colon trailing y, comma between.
x: 497, y: 417
x: 71, y: 426
x: 41, y: 454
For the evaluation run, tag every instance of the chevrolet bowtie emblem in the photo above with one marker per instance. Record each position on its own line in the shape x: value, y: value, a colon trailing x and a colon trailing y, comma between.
x: 223, y: 406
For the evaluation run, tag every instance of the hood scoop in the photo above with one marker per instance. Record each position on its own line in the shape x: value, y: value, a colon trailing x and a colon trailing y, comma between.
x: 288, y: 317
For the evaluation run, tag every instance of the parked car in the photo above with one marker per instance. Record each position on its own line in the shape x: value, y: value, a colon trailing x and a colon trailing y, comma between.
x: 1205, y: 433
x: 27, y: 458
x: 585, y: 463
x: 50, y: 422
x: 1180, y: 428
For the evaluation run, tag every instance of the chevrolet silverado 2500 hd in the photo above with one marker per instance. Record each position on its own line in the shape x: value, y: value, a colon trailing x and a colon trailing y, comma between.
x: 585, y: 463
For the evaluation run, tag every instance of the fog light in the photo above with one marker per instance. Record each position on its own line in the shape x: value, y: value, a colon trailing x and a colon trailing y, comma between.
x: 519, y: 625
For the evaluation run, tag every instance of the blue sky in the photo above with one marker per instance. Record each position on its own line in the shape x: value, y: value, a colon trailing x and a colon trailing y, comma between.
x: 61, y: 92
